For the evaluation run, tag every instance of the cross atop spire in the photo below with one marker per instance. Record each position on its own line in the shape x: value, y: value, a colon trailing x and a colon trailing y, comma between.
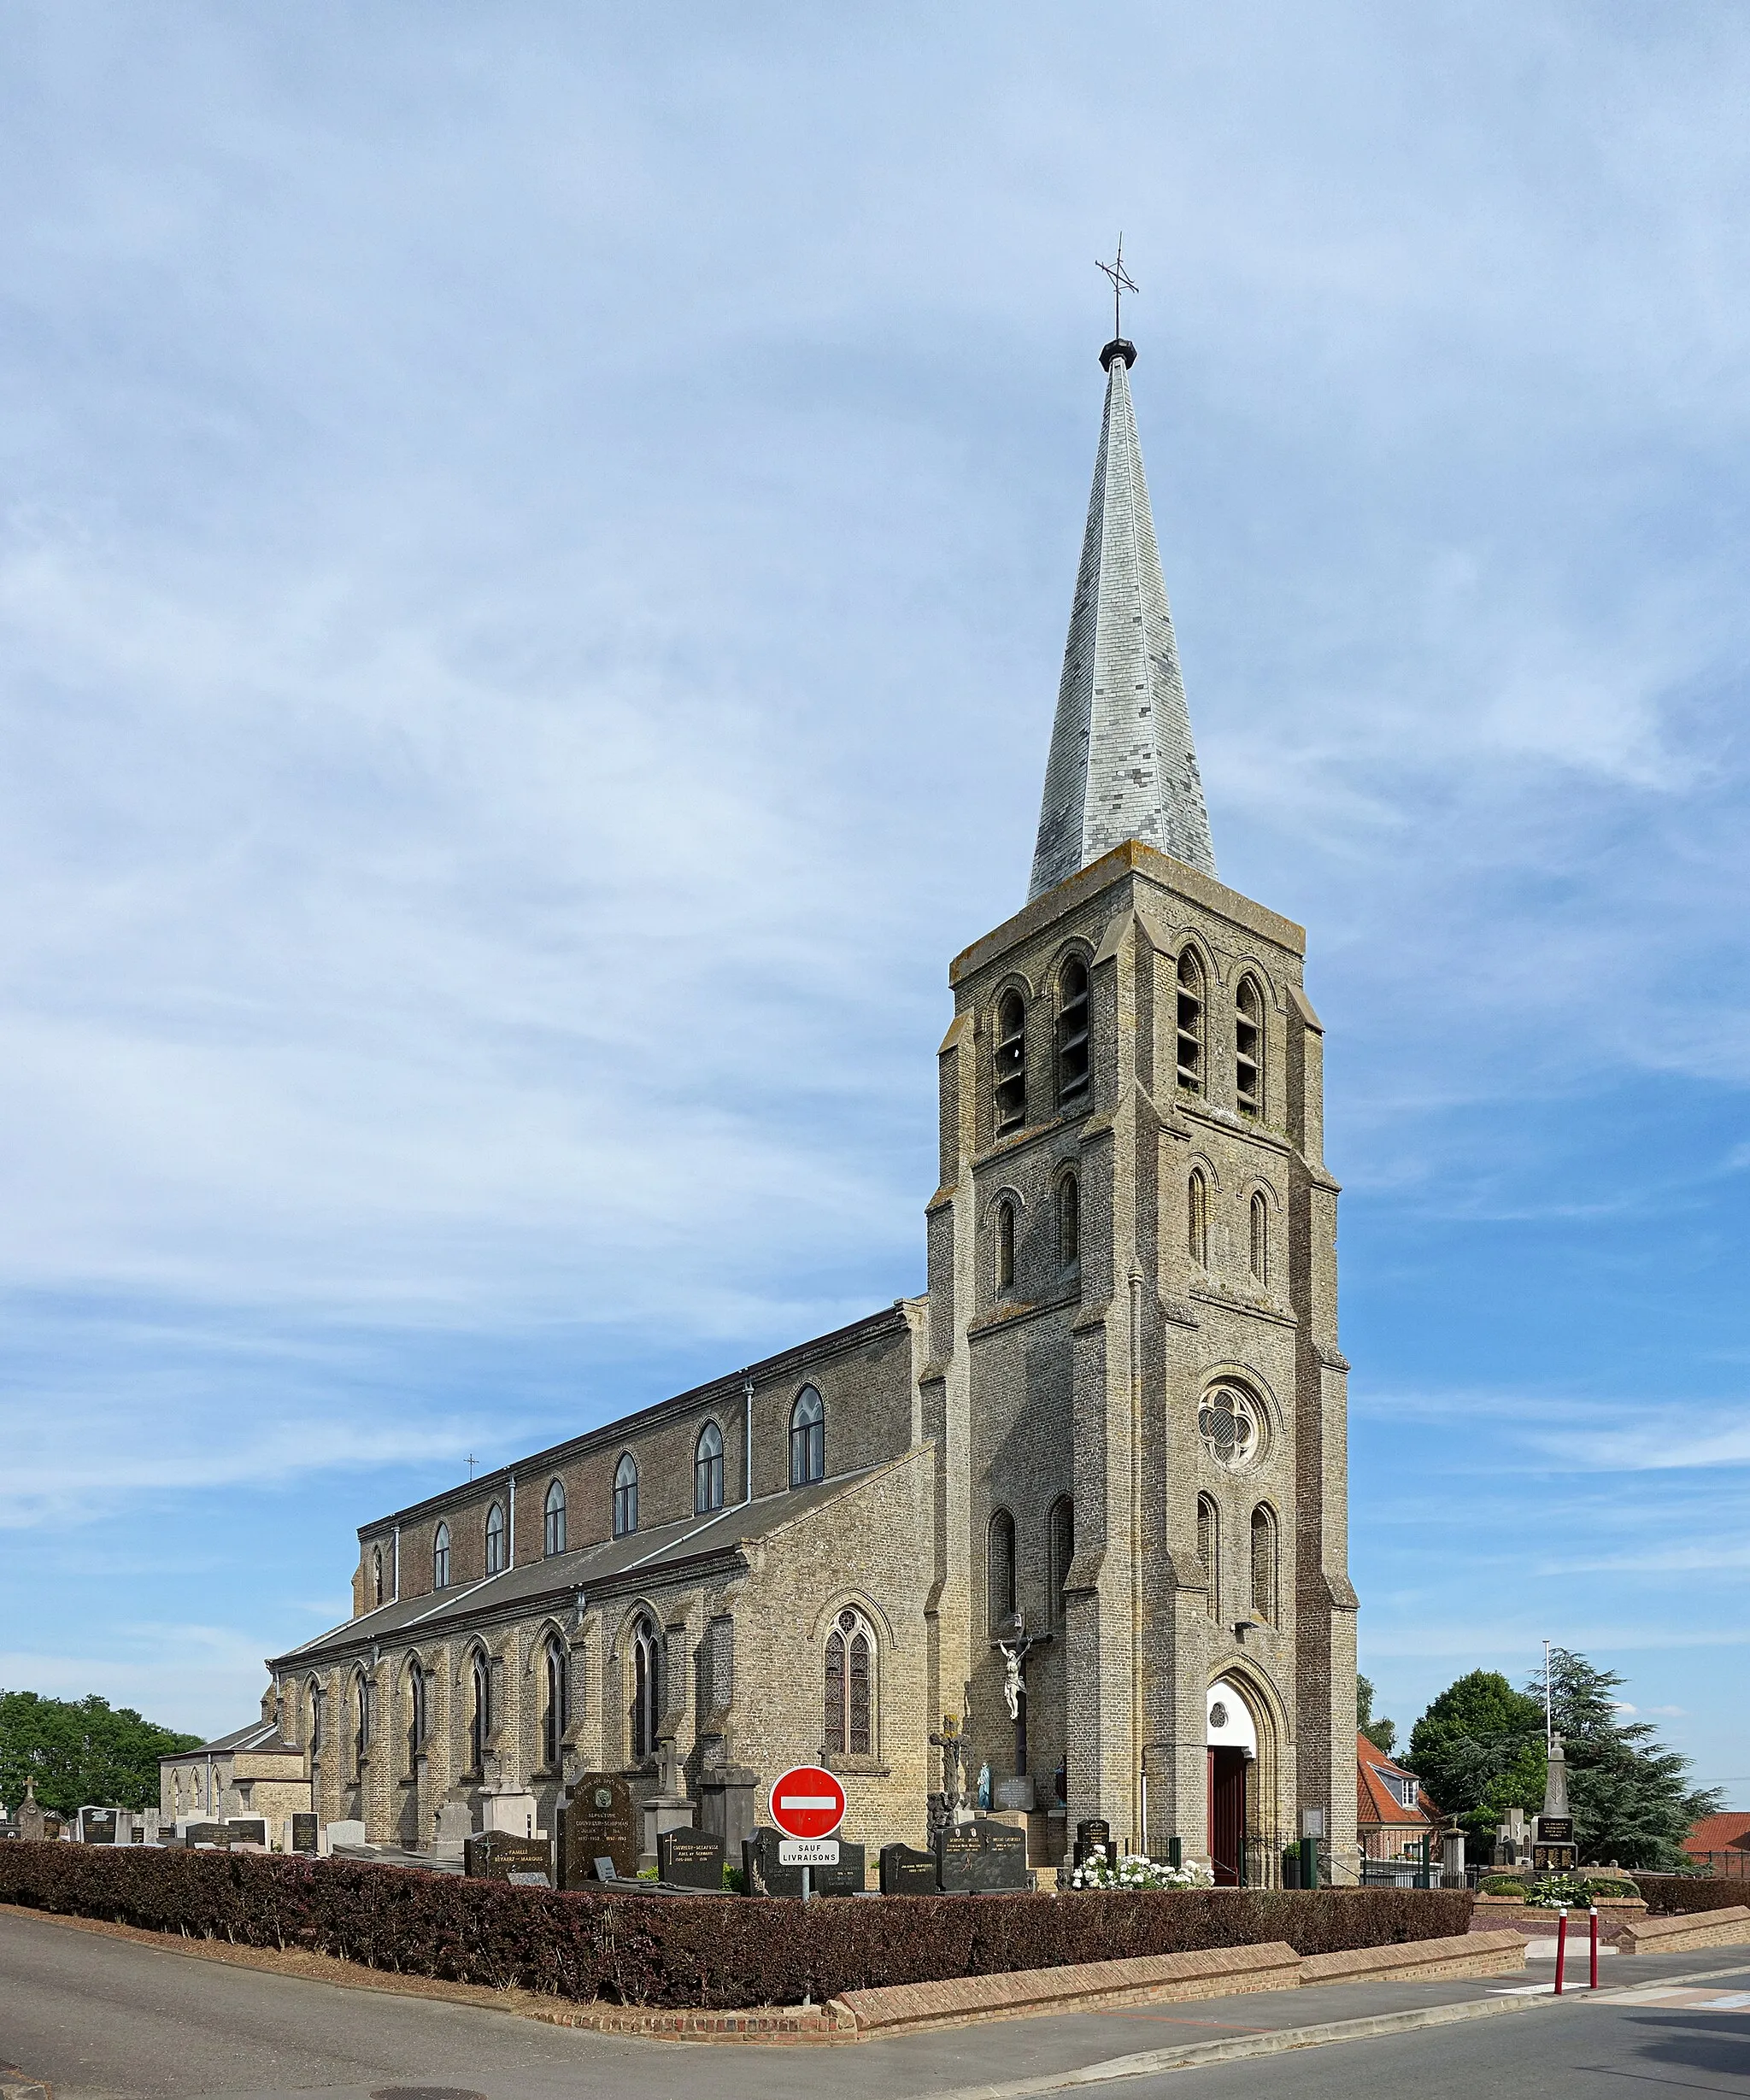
x: 1121, y: 282
x: 1122, y: 763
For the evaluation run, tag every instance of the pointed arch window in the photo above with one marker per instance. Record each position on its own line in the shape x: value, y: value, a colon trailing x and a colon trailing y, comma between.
x: 1069, y: 1221
x: 1189, y: 1026
x: 707, y: 1469
x: 553, y: 1537
x: 440, y: 1558
x: 849, y: 1715
x: 646, y: 1697
x: 1209, y: 1552
x: 1249, y: 1048
x: 494, y: 1538
x: 1062, y: 1541
x: 808, y: 1439
x: 480, y: 1709
x: 1005, y: 1266
x: 1260, y: 1238
x: 626, y: 1496
x: 556, y: 1715
x: 999, y: 1570
x: 1009, y: 1070
x: 1264, y: 1564
x: 362, y: 1703
x: 1072, y: 1034
x: 1197, y: 1217
x: 317, y: 1718
x: 415, y: 1714
x: 377, y: 1575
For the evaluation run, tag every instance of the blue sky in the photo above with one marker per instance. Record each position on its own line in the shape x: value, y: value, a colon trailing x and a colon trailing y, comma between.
x: 534, y: 550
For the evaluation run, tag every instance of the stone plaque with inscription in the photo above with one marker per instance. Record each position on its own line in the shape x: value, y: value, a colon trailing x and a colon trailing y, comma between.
x: 981, y: 1857
x: 905, y: 1871
x: 251, y: 1830
x: 97, y: 1826
x: 687, y: 1857
x: 205, y: 1833
x: 303, y: 1834
x: 598, y: 1823
x: 496, y: 1855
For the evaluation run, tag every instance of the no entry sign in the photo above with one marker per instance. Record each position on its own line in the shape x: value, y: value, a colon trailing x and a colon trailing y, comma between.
x: 807, y: 1803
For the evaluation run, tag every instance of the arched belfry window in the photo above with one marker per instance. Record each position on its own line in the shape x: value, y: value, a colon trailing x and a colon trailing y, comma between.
x: 999, y: 1570
x: 377, y: 1575
x: 849, y: 1716
x: 1069, y: 1221
x: 707, y: 1469
x: 626, y: 1496
x: 1261, y: 1237
x: 1009, y: 1067
x: 553, y: 1539
x: 1209, y: 1552
x: 440, y: 1558
x: 1264, y: 1564
x: 1005, y: 1264
x: 415, y: 1713
x: 1249, y: 1048
x: 1197, y: 1215
x: 647, y: 1688
x: 555, y: 1715
x: 1062, y: 1541
x: 495, y: 1539
x: 808, y: 1439
x: 480, y: 1709
x: 1189, y: 1003
x: 1072, y: 1034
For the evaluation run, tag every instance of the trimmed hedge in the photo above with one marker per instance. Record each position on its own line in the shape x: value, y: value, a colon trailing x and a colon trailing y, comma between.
x: 709, y: 1952
x: 1669, y: 1894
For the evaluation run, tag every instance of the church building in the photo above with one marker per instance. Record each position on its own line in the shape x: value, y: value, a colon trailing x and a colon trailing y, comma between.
x: 1087, y: 1495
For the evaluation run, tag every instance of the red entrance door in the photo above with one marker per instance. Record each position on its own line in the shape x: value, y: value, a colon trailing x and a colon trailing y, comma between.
x: 1227, y: 1814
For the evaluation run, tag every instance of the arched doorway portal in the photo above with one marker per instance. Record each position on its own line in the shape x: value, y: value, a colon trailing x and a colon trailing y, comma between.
x: 1232, y: 1749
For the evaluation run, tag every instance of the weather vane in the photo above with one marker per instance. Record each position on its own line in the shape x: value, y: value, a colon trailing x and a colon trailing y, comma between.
x: 1122, y: 282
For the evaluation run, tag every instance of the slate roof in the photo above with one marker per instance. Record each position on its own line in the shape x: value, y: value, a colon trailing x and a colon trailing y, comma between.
x: 1727, y: 1832
x: 262, y: 1735
x: 619, y: 1565
x: 1122, y: 763
x: 1376, y: 1803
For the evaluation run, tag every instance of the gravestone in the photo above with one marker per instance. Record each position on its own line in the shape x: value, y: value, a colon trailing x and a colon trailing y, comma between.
x: 496, y: 1855
x: 303, y: 1834
x: 982, y: 1856
x: 1095, y: 1832
x: 204, y: 1833
x: 251, y: 1830
x: 597, y: 1821
x: 687, y: 1857
x: 905, y: 1871
x: 764, y: 1875
x: 32, y: 1817
x: 350, y: 1830
x: 97, y: 1826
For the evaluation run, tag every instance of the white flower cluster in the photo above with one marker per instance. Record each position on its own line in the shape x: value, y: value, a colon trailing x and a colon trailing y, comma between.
x: 1131, y: 1870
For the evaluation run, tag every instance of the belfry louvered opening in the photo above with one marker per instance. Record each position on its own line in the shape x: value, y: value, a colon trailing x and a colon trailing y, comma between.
x: 1072, y: 1034
x: 1010, y: 1071
x: 1190, y: 1022
x: 1249, y: 1048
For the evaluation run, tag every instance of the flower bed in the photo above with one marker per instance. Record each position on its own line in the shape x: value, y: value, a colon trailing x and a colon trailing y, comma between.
x: 706, y: 1952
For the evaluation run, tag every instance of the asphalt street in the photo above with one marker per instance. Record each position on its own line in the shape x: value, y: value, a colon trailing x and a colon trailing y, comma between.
x: 96, y: 2017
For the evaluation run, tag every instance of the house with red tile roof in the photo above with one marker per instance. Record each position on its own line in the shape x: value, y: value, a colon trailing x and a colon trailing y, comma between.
x: 1722, y: 1842
x: 1392, y: 1815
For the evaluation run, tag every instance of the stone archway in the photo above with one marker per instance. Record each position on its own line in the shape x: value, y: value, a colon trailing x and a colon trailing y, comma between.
x: 1241, y: 1741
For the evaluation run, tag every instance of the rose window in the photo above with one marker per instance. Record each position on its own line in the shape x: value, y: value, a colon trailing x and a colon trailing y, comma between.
x: 1232, y: 1425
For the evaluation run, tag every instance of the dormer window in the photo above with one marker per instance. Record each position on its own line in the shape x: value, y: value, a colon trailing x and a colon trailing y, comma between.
x: 1249, y: 1048
x: 1072, y: 1034
x: 1010, y: 1066
x: 1189, y: 1024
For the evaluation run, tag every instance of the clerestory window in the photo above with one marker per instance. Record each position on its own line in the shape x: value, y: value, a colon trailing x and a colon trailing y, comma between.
x: 495, y: 1539
x: 626, y: 1496
x: 553, y: 1540
x: 707, y: 1469
x: 440, y: 1558
x: 808, y: 1439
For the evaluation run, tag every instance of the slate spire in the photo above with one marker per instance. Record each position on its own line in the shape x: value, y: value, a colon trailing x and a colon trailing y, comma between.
x: 1122, y: 763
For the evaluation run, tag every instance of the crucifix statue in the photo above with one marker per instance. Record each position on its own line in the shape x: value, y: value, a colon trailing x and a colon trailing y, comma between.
x: 1014, y: 1642
x: 1121, y: 282
x: 951, y: 1740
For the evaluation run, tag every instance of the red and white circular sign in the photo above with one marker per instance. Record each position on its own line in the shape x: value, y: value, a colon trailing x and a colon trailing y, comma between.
x: 807, y: 1803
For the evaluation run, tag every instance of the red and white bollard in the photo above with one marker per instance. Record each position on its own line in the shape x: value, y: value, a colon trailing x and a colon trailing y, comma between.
x: 1561, y: 1946
x: 1595, y: 1946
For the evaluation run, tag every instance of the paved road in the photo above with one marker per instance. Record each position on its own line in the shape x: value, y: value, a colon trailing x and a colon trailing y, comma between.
x: 103, y: 2019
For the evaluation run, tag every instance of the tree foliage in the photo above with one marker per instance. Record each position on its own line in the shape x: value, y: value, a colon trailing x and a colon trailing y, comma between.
x: 81, y: 1752
x: 1479, y: 1751
x: 1382, y: 1732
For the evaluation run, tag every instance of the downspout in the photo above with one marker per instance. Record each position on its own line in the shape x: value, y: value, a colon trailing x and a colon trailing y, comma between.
x: 747, y: 1442
x: 395, y: 1556
x: 510, y: 1553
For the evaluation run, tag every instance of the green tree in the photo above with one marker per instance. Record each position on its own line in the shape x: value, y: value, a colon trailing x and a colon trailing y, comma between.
x: 1629, y: 1795
x: 1479, y: 1751
x: 1382, y: 1733
x: 81, y: 1750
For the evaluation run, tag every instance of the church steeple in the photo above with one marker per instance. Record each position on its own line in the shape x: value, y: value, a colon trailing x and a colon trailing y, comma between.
x: 1122, y: 763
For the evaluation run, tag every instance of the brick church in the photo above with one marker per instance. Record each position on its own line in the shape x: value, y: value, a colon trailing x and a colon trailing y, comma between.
x: 1088, y: 1492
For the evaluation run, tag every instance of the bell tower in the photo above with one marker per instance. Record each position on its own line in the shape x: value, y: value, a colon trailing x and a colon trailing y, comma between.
x: 1134, y: 1365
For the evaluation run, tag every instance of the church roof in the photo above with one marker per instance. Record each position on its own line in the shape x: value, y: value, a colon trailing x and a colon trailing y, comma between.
x: 1122, y: 763
x: 262, y: 1735
x: 619, y: 1565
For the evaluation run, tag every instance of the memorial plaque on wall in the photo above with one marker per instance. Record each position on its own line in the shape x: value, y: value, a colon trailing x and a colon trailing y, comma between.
x: 1554, y: 1858
x: 303, y: 1834
x: 689, y: 1859
x: 599, y: 1823
x: 496, y: 1854
x: 981, y: 1855
x: 1555, y: 1829
x: 1095, y: 1832
x: 761, y: 1865
x: 905, y: 1871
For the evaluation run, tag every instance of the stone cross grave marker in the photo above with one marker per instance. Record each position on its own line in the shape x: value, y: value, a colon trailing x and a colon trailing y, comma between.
x: 905, y: 1871
x: 597, y: 1822
x: 687, y: 1857
x: 982, y: 1856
